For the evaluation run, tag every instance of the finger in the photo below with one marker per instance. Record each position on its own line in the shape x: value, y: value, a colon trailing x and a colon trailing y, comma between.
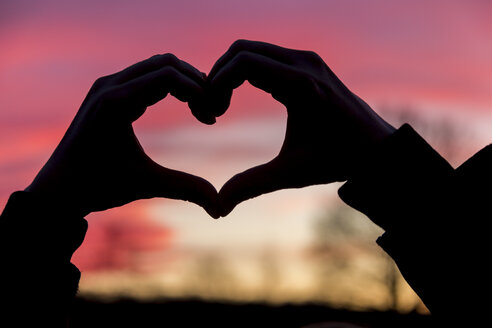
x: 208, y: 107
x: 283, y: 81
x: 155, y: 63
x: 275, y: 52
x: 218, y: 100
x: 137, y: 94
x: 159, y: 61
x: 251, y: 183
x: 168, y: 183
x: 214, y: 103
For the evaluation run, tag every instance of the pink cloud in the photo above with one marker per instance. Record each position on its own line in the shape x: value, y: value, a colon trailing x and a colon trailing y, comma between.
x: 118, y: 238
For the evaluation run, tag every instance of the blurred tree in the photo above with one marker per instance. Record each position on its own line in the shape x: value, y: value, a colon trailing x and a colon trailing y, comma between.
x: 447, y: 135
x: 341, y: 234
x: 211, y: 277
x: 271, y: 273
x: 342, y: 240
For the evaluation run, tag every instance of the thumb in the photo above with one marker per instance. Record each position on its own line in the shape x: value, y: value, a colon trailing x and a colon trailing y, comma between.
x: 175, y: 184
x: 251, y: 183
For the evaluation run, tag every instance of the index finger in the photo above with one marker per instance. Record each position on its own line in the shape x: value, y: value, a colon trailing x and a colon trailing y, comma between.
x: 262, y: 48
x: 136, y: 95
x: 282, y: 81
x: 157, y: 62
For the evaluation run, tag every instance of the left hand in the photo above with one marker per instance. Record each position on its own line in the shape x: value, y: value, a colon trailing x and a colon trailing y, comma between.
x: 99, y: 163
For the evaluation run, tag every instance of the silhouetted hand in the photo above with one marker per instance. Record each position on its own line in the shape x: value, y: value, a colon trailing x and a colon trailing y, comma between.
x: 99, y: 163
x: 328, y: 127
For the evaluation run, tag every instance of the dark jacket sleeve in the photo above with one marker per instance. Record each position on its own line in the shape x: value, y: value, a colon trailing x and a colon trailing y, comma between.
x: 37, y: 239
x: 434, y: 217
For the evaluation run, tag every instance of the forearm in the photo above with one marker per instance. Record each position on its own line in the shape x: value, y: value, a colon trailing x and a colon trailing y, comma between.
x: 406, y: 188
x: 37, y: 240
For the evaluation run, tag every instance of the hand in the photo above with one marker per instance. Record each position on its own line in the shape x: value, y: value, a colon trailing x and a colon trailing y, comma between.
x: 328, y: 127
x: 99, y: 164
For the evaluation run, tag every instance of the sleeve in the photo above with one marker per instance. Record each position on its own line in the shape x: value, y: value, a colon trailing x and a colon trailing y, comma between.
x: 37, y: 239
x: 424, y: 206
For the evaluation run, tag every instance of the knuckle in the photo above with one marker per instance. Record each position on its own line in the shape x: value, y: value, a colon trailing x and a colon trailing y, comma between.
x: 313, y: 57
x: 168, y: 72
x: 101, y: 82
x: 243, y: 57
x: 163, y: 59
x: 308, y: 83
x: 167, y: 77
x: 155, y: 57
x: 105, y: 99
x: 169, y: 59
x: 240, y: 44
x: 154, y: 60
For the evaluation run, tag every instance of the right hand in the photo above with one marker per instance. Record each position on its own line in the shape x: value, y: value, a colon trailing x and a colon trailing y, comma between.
x: 328, y: 127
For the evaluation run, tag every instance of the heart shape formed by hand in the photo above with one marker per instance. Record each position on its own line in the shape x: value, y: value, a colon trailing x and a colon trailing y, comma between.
x: 100, y: 164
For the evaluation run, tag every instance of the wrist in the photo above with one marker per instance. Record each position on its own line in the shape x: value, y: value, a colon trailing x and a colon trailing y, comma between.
x: 392, y: 179
x: 374, y: 128
x: 56, y: 195
x: 59, y: 202
x: 41, y: 225
x: 364, y: 130
x: 366, y: 145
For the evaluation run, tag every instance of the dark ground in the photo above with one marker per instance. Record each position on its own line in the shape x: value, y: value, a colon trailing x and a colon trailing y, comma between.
x: 197, y: 313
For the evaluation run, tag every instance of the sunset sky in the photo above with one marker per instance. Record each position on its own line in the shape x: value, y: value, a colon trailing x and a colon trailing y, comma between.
x: 432, y: 56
